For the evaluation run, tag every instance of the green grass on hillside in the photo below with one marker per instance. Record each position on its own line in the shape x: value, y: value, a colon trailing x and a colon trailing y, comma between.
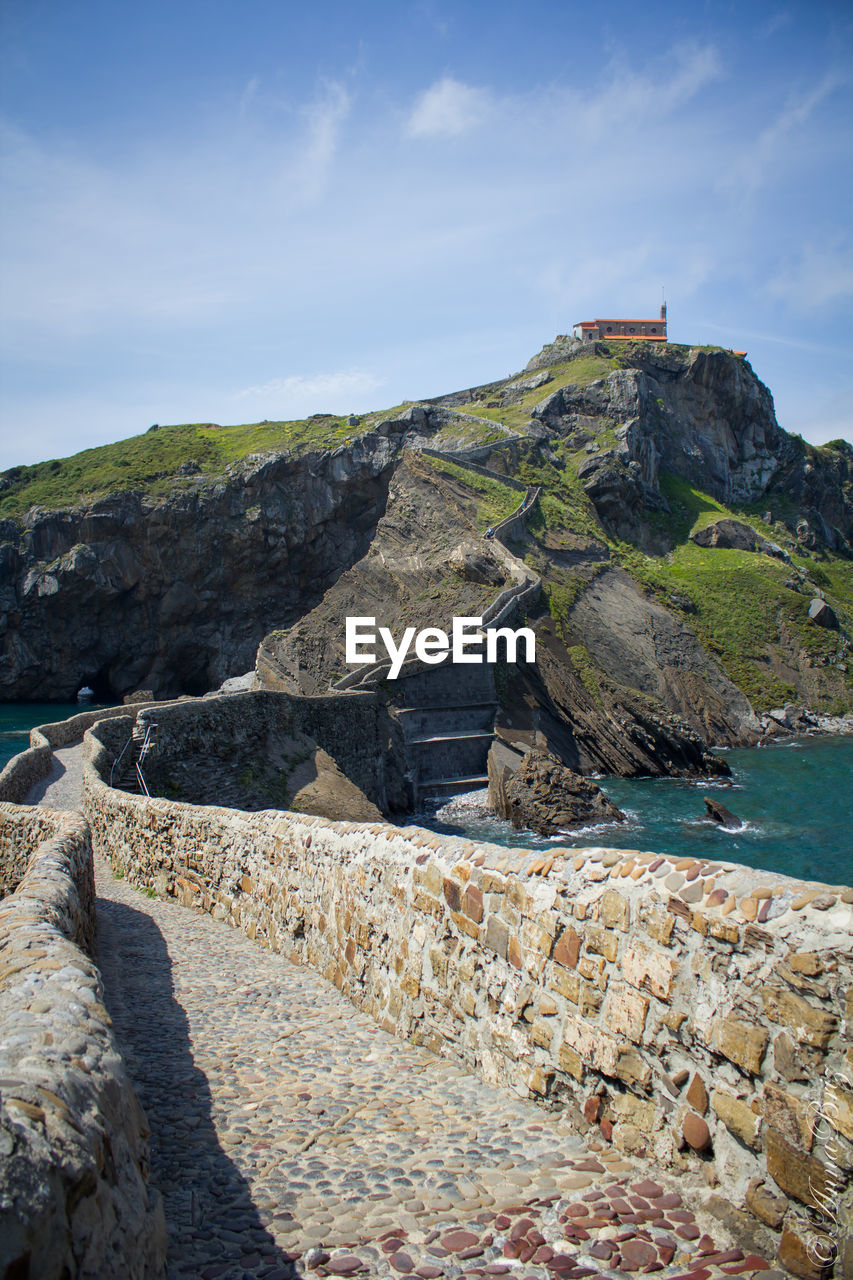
x: 153, y: 460
x: 579, y: 372
x: 741, y: 606
x: 494, y: 501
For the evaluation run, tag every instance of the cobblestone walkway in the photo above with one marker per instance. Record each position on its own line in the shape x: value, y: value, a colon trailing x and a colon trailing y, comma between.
x: 61, y: 788
x: 292, y: 1137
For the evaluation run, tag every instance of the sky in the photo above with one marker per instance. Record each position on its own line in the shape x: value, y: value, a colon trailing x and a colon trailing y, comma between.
x: 223, y: 212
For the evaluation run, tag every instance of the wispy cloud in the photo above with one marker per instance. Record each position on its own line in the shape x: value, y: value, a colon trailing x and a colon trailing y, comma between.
x: 761, y: 161
x: 448, y: 108
x: 324, y: 119
x: 338, y: 391
x: 821, y: 274
x: 774, y: 24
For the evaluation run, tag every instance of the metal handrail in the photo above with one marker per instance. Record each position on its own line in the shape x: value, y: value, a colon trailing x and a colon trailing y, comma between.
x: 118, y: 759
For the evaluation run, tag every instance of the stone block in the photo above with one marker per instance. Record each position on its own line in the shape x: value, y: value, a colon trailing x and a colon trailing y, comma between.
x: 740, y: 1042
x: 513, y: 952
x: 497, y: 936
x: 590, y: 1000
x: 838, y: 1109
x: 472, y: 903
x: 697, y: 1094
x: 695, y: 1132
x: 632, y: 1069
x: 657, y: 922
x: 570, y: 1061
x: 805, y: 1252
x: 567, y: 948
x: 540, y: 1080
x: 535, y: 938
x: 601, y: 941
x: 568, y: 984
x: 788, y: 1115
x: 438, y: 961
x: 428, y: 876
x: 423, y: 901
x: 767, y: 1206
x: 596, y: 1047
x: 798, y: 1174
x: 723, y: 931
x: 465, y: 924
x: 737, y: 1116
x: 647, y: 969
x: 614, y: 910
x: 542, y: 1033
x: 626, y: 1011
x: 452, y: 893
x: 808, y: 1024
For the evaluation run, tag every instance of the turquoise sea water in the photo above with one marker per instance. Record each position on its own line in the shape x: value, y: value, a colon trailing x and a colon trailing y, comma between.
x: 17, y: 718
x: 795, y: 801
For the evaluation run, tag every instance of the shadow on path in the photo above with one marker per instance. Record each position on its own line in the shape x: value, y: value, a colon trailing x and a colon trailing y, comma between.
x: 214, y: 1229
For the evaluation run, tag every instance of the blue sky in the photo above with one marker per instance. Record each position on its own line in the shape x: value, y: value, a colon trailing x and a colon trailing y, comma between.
x: 222, y: 212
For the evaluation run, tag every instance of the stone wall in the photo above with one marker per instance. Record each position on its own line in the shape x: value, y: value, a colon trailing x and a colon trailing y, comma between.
x: 73, y: 1139
x: 24, y: 770
x: 22, y: 829
x: 27, y: 768
x: 696, y: 1014
x: 355, y: 731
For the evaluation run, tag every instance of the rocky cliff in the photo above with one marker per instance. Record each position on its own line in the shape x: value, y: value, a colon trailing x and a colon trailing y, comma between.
x: 656, y: 636
x: 174, y: 593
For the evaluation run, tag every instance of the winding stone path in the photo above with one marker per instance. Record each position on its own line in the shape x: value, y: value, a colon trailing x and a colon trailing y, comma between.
x: 290, y: 1136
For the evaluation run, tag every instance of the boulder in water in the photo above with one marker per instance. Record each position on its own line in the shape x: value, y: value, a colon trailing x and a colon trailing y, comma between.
x: 539, y: 792
x: 719, y: 813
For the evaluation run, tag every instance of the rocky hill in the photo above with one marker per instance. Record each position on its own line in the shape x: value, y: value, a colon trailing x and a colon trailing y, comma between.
x: 695, y: 559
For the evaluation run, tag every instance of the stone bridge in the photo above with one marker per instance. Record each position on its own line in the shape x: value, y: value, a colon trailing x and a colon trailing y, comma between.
x: 370, y: 1051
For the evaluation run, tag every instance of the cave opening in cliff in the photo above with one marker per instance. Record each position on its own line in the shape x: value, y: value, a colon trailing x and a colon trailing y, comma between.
x: 192, y: 670
x: 102, y: 687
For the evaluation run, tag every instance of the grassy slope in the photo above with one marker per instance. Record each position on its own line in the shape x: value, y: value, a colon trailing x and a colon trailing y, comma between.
x: 152, y: 461
x: 494, y: 501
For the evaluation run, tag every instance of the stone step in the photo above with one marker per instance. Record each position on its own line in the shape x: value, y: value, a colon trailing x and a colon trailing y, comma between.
x: 423, y: 722
x: 453, y: 786
x: 463, y: 734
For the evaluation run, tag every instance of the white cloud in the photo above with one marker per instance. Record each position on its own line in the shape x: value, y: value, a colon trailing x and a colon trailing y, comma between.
x: 823, y: 274
x: 774, y: 24
x: 325, y: 117
x: 763, y: 160
x: 448, y: 108
x: 337, y: 392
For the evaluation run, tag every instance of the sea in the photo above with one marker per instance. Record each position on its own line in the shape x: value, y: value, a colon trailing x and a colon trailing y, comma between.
x: 17, y: 718
x: 794, y: 800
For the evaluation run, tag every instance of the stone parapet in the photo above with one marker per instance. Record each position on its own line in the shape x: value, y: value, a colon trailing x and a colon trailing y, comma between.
x: 695, y: 1013
x: 27, y: 768
x: 73, y: 1139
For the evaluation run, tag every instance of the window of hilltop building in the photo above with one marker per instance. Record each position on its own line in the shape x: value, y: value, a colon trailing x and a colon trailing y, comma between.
x: 630, y: 328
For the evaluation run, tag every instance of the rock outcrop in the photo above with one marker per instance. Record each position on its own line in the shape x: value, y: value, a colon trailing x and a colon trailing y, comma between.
x: 736, y: 536
x: 538, y: 792
x: 175, y: 593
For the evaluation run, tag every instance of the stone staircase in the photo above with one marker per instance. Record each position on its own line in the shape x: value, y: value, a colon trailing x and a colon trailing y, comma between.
x: 447, y: 712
